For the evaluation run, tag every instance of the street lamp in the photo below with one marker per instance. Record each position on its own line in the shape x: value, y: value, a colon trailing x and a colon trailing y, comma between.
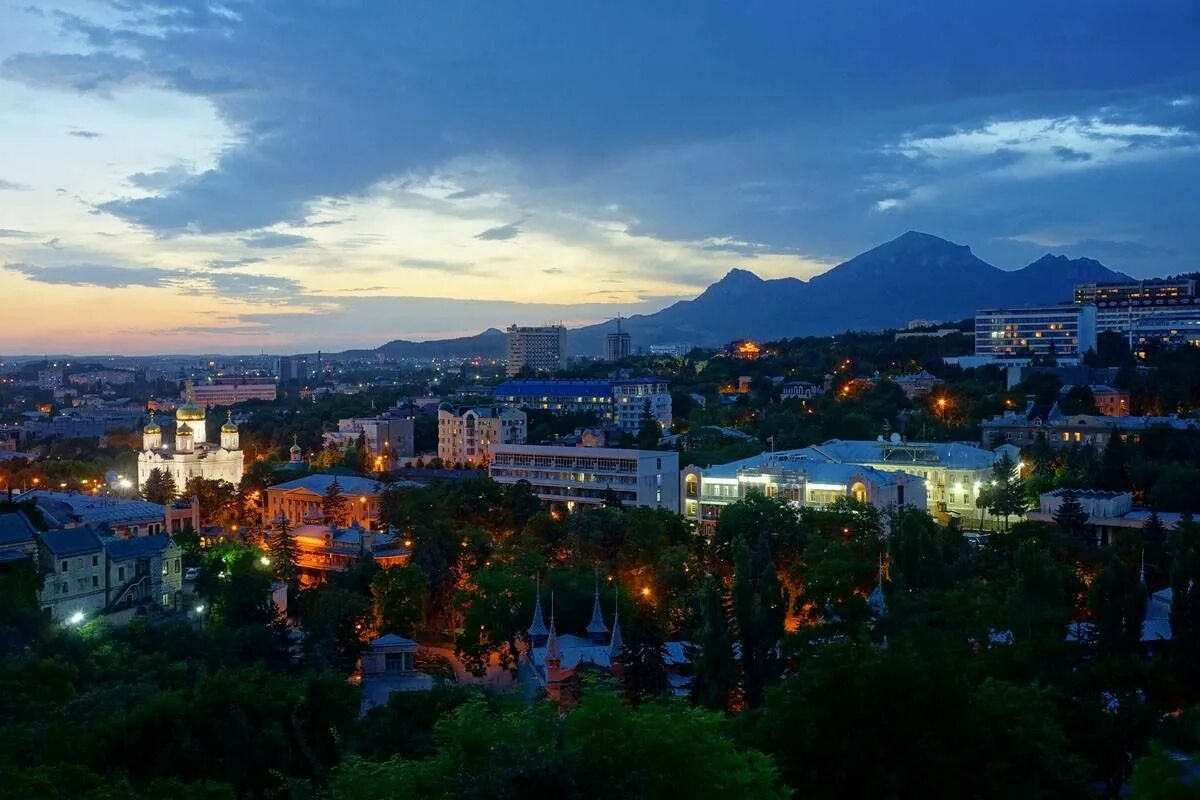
x: 76, y: 619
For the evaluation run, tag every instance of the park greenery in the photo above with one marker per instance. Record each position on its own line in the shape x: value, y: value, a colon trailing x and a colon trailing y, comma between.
x: 836, y: 653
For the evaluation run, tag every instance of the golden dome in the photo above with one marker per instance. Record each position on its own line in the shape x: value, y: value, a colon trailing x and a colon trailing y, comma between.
x: 229, y: 426
x: 184, y: 430
x: 152, y: 426
x: 189, y: 412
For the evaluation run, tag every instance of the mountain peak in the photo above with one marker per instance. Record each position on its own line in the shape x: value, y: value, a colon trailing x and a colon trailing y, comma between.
x: 737, y: 275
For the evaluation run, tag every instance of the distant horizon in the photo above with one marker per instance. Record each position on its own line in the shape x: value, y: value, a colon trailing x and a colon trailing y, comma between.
x: 499, y: 326
x: 280, y: 177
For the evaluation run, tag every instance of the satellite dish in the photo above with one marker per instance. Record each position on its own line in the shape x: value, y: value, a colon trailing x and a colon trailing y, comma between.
x: 895, y: 438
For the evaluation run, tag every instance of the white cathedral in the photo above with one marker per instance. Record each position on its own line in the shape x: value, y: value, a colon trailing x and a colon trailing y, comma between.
x: 193, y: 455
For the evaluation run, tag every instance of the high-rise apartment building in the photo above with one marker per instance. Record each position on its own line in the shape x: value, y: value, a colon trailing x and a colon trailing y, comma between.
x: 1065, y: 331
x: 541, y: 349
x: 617, y: 345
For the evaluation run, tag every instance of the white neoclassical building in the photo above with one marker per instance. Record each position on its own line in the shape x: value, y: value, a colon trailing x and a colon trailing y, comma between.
x: 192, y: 455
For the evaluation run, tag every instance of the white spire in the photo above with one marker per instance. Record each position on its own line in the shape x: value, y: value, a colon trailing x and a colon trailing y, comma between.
x: 616, y: 644
x: 537, y: 628
x: 1142, y: 568
x: 596, y: 627
x: 876, y: 601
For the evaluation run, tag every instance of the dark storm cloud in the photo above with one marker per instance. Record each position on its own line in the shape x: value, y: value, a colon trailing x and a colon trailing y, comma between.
x: 759, y: 123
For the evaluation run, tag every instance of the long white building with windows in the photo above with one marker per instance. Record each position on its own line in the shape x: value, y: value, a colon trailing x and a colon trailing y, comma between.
x: 574, y: 476
x: 941, y: 478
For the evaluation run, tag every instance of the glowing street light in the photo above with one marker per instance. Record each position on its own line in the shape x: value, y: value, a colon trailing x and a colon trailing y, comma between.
x: 76, y: 619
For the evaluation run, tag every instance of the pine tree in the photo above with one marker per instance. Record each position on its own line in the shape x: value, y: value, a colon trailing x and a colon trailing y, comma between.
x: 159, y: 487
x: 643, y: 656
x: 759, y: 610
x: 1153, y: 530
x: 713, y: 653
x: 650, y: 431
x: 1073, y: 520
x: 285, y: 554
x: 334, y: 503
x: 1006, y: 495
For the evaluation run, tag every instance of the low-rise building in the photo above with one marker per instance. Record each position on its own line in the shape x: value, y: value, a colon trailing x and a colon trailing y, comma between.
x: 87, y: 576
x: 328, y: 548
x: 624, y: 402
x: 941, y: 478
x: 389, y: 664
x: 800, y: 390
x: 571, y: 476
x: 301, y: 498
x: 468, y: 435
x: 17, y: 537
x: 1109, y: 513
x: 1022, y: 428
x: 802, y: 479
x: 387, y: 437
x: 916, y: 385
x: 121, y: 517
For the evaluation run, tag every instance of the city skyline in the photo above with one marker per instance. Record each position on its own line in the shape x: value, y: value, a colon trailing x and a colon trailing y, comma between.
x: 244, y: 177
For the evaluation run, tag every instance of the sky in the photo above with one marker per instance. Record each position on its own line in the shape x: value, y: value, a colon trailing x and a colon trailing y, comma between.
x: 284, y: 176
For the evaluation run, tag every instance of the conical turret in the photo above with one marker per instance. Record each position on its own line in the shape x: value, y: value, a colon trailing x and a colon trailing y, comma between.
x: 537, y: 629
x: 616, y: 644
x: 597, y: 631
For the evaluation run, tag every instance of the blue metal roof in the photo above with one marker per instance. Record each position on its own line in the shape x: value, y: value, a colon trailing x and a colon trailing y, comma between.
x: 15, y: 528
x: 72, y: 541
x: 137, y: 547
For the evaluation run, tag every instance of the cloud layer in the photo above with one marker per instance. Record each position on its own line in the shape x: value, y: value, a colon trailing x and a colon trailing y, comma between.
x: 456, y: 150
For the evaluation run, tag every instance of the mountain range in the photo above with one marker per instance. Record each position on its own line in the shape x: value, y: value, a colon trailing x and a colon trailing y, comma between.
x: 915, y: 276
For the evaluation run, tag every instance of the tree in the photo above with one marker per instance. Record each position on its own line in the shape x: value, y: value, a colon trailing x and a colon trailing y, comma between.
x: 285, y: 554
x: 1118, y: 603
x: 334, y: 504
x: 643, y: 656
x: 649, y: 432
x: 398, y: 599
x: 1073, y: 520
x: 1114, y: 466
x: 759, y: 609
x: 1006, y: 494
x: 912, y: 711
x: 598, y: 750
x: 1038, y: 607
x: 1153, y: 530
x: 712, y: 653
x: 218, y: 500
x: 159, y: 487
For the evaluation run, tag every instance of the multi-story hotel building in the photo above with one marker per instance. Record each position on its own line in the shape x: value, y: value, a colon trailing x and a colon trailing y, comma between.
x: 232, y: 390
x: 1066, y: 331
x: 571, y: 476
x: 622, y: 403
x: 541, y: 349
x: 1121, y: 307
x: 467, y: 435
